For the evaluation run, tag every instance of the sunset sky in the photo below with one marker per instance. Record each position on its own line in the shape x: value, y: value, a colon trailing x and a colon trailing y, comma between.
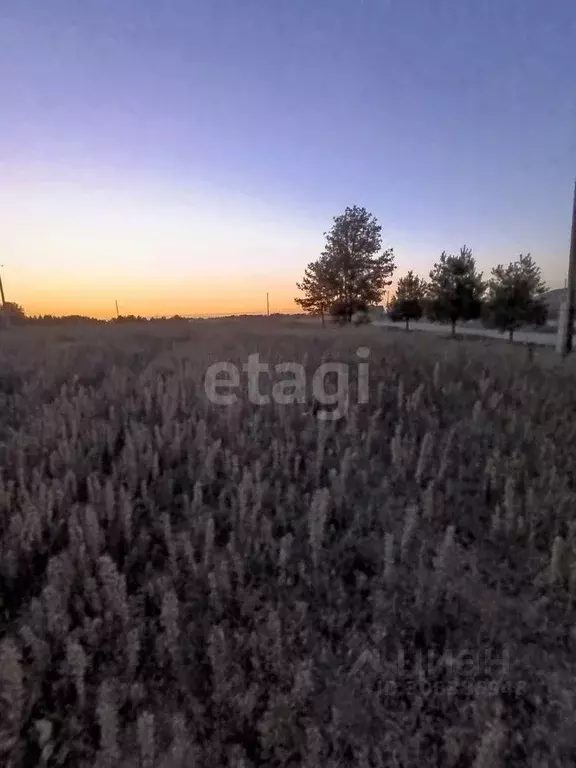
x: 186, y: 156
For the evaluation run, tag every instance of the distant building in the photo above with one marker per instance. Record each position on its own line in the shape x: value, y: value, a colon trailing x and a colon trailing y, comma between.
x: 555, y: 299
x: 376, y: 311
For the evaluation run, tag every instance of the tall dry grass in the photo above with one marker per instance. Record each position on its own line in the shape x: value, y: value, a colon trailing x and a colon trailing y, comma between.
x: 184, y: 584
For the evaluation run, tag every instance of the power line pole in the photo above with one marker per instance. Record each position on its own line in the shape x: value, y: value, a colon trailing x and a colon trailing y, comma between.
x: 570, y: 307
x: 6, y: 320
x: 117, y: 311
x: 268, y: 304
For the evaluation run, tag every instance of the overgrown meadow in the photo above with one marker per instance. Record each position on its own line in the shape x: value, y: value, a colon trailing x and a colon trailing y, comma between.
x: 185, y: 584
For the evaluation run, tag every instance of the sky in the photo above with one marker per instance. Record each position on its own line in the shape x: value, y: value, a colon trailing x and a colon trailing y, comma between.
x: 187, y: 156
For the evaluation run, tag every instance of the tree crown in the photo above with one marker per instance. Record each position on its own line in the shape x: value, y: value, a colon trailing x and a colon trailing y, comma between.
x: 456, y: 287
x: 351, y: 270
x: 516, y: 295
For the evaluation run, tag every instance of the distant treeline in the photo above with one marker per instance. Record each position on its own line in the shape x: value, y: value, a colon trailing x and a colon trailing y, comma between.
x: 16, y: 315
x: 84, y: 320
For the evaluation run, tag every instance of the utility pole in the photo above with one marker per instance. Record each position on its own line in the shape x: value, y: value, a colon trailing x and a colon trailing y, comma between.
x: 566, y: 323
x: 268, y: 304
x: 117, y: 311
x: 2, y: 289
x: 5, y: 321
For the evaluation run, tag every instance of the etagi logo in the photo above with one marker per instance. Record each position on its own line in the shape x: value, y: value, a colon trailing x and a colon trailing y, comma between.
x: 330, y: 384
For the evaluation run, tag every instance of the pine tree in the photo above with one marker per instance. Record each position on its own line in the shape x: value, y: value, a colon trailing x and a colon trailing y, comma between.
x: 516, y: 296
x: 455, y: 289
x: 316, y: 285
x: 408, y: 302
x: 352, y: 273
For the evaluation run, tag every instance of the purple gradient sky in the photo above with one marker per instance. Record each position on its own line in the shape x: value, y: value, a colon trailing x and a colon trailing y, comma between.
x: 189, y: 154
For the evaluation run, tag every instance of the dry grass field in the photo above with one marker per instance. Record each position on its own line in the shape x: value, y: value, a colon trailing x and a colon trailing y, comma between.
x: 186, y: 584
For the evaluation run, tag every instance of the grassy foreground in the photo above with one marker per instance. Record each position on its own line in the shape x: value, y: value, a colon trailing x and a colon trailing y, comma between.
x: 185, y: 584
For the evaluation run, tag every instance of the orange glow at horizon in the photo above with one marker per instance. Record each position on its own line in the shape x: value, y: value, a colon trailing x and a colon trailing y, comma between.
x: 148, y: 304
x: 75, y: 247
x: 93, y: 298
x: 78, y: 248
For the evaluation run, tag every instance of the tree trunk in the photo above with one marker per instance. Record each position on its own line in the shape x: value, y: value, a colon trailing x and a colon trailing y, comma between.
x: 453, y: 328
x: 407, y: 324
x: 322, y: 315
x: 510, y: 335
